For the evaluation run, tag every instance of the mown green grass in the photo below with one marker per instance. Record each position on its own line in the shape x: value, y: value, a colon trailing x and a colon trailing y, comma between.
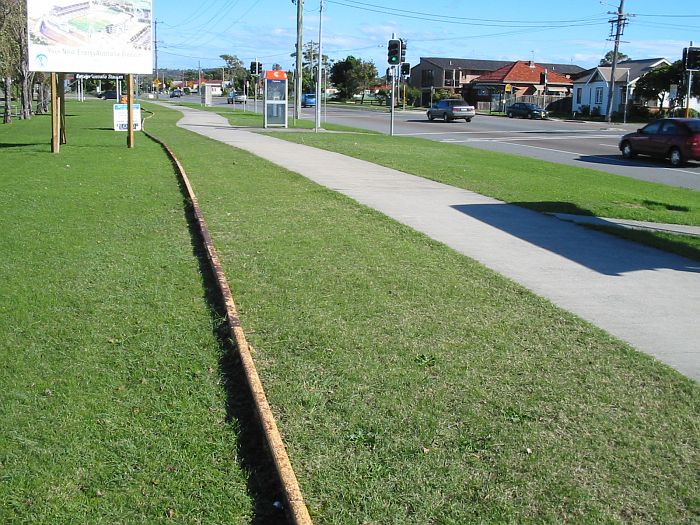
x: 414, y: 386
x: 112, y: 407
x: 239, y: 117
x: 531, y: 183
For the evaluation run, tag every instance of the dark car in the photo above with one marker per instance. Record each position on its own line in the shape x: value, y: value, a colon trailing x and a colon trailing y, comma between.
x: 676, y: 139
x: 525, y: 110
x: 108, y: 95
x: 451, y: 109
x: 176, y: 93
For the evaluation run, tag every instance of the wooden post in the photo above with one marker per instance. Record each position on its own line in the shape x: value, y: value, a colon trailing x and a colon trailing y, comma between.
x: 130, y: 110
x: 62, y: 108
x: 55, y: 112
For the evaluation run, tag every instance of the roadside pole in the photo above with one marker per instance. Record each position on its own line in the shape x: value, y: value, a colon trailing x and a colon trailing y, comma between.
x: 130, y: 110
x: 55, y: 114
x: 687, y: 99
x: 393, y: 91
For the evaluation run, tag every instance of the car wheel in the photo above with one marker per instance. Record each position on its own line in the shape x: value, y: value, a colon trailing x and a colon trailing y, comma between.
x: 445, y: 117
x: 529, y: 115
x: 627, y: 151
x: 510, y: 114
x: 468, y: 119
x: 431, y: 116
x: 676, y: 157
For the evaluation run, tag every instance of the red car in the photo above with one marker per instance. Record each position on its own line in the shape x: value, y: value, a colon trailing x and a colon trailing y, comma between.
x: 677, y: 139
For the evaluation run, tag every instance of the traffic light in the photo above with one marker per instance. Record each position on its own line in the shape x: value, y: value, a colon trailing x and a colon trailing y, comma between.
x: 403, y: 51
x: 255, y: 68
x: 394, y: 52
x: 691, y: 58
x: 543, y: 77
x: 405, y: 69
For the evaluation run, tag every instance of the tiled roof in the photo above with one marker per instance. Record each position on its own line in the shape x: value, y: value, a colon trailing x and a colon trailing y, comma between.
x: 492, y: 65
x: 522, y: 72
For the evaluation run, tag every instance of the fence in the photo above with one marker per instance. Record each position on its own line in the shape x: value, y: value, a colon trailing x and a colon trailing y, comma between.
x: 552, y: 103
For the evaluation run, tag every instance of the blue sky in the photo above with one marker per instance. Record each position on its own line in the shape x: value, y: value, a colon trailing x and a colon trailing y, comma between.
x: 548, y: 31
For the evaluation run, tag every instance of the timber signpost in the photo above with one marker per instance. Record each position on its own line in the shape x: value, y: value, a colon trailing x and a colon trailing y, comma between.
x: 100, y: 37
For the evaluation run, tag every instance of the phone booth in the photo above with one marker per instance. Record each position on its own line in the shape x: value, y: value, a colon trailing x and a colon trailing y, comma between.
x: 275, y: 90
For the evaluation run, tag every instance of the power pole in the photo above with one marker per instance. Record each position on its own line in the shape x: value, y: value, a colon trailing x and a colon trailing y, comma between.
x: 298, y: 76
x: 155, y: 46
x: 319, y: 71
x: 619, y: 22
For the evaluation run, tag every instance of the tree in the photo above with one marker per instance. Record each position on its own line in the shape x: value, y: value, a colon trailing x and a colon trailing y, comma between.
x: 309, y: 61
x: 607, y: 60
x: 239, y: 74
x: 352, y: 75
x: 10, y: 52
x: 656, y: 84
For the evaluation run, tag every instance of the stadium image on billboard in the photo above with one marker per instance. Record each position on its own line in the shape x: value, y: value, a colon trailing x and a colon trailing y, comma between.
x: 100, y: 36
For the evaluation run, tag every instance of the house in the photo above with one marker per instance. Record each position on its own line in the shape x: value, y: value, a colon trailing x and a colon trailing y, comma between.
x: 455, y: 73
x: 591, y: 90
x: 522, y: 78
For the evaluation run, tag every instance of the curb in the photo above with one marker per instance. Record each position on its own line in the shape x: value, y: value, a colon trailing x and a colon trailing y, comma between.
x: 296, y: 508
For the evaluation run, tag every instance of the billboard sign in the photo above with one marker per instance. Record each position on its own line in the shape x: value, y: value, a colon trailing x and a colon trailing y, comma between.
x: 102, y: 36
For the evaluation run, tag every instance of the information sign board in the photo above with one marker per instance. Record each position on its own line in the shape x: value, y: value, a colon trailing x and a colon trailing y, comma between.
x: 102, y: 36
x: 121, y: 117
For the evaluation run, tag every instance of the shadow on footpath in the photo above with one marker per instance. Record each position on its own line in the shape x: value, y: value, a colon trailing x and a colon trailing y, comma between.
x: 263, y: 484
x: 603, y: 253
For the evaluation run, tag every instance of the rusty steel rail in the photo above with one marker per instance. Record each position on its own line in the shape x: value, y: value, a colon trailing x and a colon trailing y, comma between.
x: 296, y: 508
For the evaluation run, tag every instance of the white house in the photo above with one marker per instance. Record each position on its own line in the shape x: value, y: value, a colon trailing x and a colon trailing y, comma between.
x: 592, y: 88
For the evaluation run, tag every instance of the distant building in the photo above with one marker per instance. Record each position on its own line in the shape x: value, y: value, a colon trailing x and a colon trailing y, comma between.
x: 455, y: 74
x: 591, y: 90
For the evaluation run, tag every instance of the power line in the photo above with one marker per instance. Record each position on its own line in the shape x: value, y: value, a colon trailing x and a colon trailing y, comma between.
x: 431, y: 17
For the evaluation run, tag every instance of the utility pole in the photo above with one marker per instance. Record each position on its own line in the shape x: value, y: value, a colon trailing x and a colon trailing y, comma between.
x: 298, y: 76
x: 619, y: 22
x: 320, y: 65
x: 155, y: 46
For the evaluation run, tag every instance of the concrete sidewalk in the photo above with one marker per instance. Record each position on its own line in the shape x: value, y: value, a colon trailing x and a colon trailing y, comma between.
x: 649, y: 298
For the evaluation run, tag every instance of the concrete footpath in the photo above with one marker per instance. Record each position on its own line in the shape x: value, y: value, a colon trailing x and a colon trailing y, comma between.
x: 647, y: 297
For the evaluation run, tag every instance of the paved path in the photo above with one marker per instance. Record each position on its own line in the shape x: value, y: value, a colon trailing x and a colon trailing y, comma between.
x: 649, y: 298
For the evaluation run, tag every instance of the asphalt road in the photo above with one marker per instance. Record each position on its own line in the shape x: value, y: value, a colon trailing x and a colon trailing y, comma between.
x: 575, y: 143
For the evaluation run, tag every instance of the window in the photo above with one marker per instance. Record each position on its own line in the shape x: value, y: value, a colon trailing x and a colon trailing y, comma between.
x: 578, y: 95
x: 599, y: 95
x: 652, y: 128
x: 427, y: 78
x: 670, y: 128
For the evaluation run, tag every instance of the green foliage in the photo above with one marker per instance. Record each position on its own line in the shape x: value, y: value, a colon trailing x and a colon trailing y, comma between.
x: 607, y: 60
x: 352, y: 75
x: 656, y: 83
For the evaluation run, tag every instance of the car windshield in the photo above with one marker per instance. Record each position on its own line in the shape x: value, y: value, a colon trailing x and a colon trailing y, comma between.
x: 532, y: 106
x: 456, y: 102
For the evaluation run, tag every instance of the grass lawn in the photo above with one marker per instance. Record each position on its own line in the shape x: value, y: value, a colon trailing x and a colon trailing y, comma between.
x: 238, y: 117
x: 531, y: 183
x: 114, y: 405
x: 414, y: 386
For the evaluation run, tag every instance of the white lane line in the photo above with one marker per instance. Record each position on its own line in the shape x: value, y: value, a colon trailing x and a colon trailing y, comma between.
x: 521, y: 139
x: 615, y: 133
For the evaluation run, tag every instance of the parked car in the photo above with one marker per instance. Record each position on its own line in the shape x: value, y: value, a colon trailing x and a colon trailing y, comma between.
x: 525, y: 110
x: 308, y: 100
x: 108, y: 95
x: 451, y: 109
x: 676, y: 139
x: 235, y: 97
x: 176, y: 93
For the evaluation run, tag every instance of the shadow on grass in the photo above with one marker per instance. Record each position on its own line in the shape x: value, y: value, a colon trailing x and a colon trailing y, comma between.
x: 639, y: 162
x: 605, y: 254
x: 263, y: 484
x: 22, y: 144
